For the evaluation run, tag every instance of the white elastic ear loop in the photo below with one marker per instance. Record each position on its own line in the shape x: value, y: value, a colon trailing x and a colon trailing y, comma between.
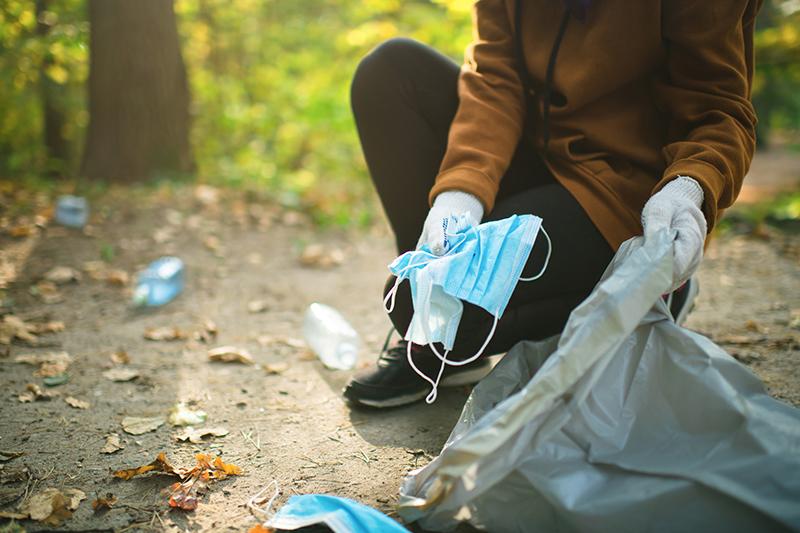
x: 546, y: 259
x: 431, y: 397
x: 263, y: 513
x: 392, y: 294
x: 393, y: 291
x: 468, y: 360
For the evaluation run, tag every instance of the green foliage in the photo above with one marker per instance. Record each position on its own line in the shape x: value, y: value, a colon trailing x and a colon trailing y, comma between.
x: 270, y: 86
x: 776, y: 91
x: 28, y: 59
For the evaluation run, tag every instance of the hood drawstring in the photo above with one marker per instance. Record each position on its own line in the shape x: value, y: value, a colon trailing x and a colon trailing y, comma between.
x: 551, y: 65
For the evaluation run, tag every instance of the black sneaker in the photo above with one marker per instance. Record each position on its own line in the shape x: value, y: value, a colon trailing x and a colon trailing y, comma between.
x: 681, y: 300
x: 392, y: 382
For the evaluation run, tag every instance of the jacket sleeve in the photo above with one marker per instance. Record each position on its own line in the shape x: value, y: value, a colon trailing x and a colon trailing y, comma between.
x: 706, y: 95
x: 488, y: 123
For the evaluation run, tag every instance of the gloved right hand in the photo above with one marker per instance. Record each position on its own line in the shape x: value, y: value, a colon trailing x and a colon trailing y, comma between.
x: 445, y: 218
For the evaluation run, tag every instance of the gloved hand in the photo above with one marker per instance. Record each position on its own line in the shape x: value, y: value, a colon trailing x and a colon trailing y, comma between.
x: 444, y: 217
x: 677, y: 206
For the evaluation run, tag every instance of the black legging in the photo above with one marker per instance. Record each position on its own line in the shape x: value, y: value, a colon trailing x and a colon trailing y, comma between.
x: 404, y: 97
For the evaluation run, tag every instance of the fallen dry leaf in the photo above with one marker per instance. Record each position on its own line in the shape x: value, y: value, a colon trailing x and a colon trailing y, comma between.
x: 76, y: 403
x: 95, y: 269
x: 160, y: 464
x: 213, y: 243
x: 293, y: 218
x: 34, y: 393
x: 61, y: 275
x: 276, y: 368
x: 185, y: 495
x: 21, y: 230
x: 39, y: 359
x: 166, y: 333
x: 118, y: 278
x: 136, y: 425
x: 14, y: 474
x: 193, y: 481
x: 106, y: 502
x: 181, y: 415
x: 48, y: 327
x: 163, y: 234
x: 257, y: 306
x: 206, y: 195
x: 208, y: 333
x: 113, y: 444
x: 120, y: 374
x: 197, y: 435
x: 259, y: 528
x: 6, y: 456
x: 14, y: 327
x: 53, y: 506
x: 51, y: 369
x: 210, y: 326
x: 267, y: 340
x: 230, y: 354
x: 755, y: 327
x: 120, y: 357
x: 318, y: 256
x: 47, y: 291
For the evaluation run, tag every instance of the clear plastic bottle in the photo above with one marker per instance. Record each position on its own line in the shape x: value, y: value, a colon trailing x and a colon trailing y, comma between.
x: 72, y: 211
x: 159, y: 283
x: 331, y: 337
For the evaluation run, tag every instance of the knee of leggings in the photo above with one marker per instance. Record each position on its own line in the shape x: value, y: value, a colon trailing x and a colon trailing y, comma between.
x: 377, y: 70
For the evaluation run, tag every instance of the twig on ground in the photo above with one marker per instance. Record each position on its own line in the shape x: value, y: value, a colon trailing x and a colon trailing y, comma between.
x: 248, y: 437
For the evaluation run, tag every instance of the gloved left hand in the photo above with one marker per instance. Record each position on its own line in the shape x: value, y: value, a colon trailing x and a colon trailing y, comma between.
x: 677, y: 207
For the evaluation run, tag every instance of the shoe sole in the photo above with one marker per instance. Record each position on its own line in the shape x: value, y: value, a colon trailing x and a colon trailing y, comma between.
x: 468, y: 377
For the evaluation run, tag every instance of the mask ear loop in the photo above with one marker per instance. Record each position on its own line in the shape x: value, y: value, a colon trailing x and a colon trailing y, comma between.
x: 468, y: 360
x: 546, y: 259
x: 431, y: 397
x: 392, y: 294
x: 264, y: 512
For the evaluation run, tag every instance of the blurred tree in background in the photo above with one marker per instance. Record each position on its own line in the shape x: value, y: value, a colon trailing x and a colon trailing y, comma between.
x: 269, y: 83
x: 138, y: 93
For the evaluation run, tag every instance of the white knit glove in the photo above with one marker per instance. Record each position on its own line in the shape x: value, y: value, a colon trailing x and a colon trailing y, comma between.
x: 677, y: 207
x: 445, y: 217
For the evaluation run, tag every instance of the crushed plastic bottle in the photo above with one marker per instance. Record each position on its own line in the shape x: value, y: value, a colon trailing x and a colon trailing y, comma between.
x: 159, y: 283
x: 331, y: 337
x: 72, y: 211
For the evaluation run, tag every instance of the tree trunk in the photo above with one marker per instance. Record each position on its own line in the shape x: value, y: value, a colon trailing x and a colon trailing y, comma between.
x: 54, y: 141
x: 138, y: 94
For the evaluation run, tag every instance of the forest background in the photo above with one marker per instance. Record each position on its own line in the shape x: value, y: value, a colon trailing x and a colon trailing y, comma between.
x: 268, y: 82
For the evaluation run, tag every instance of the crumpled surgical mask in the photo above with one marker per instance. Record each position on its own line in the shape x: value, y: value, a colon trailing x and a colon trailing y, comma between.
x: 482, y: 266
x: 341, y: 515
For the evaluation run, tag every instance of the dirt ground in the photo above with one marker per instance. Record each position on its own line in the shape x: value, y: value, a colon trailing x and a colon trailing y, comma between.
x: 289, y: 426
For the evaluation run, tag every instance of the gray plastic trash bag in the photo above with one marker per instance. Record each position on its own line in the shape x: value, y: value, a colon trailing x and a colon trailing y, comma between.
x: 627, y: 422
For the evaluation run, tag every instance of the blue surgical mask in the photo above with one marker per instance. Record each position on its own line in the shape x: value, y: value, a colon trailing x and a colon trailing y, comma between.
x: 342, y: 515
x: 482, y: 266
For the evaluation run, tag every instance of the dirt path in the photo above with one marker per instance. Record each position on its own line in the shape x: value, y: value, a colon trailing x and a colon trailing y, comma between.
x: 291, y: 427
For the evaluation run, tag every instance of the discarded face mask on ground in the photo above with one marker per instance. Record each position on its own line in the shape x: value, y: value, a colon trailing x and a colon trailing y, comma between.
x: 482, y: 266
x: 342, y: 515
x: 626, y: 422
